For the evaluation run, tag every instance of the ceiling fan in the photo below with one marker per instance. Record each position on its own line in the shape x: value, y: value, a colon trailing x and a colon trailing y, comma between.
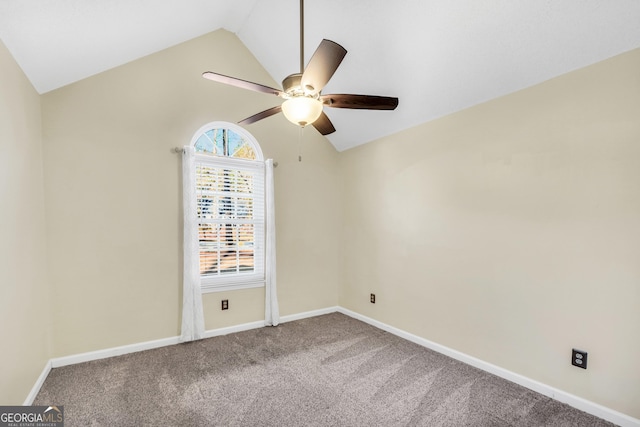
x: 301, y: 91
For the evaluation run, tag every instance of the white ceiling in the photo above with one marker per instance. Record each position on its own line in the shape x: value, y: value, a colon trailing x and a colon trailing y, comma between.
x: 437, y: 56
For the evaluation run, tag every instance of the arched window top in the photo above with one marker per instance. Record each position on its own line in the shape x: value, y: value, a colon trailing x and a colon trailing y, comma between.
x: 225, y: 139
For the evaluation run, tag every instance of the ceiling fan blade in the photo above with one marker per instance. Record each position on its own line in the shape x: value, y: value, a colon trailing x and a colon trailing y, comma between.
x: 322, y: 65
x: 323, y: 124
x: 261, y: 115
x: 244, y: 84
x: 360, y: 102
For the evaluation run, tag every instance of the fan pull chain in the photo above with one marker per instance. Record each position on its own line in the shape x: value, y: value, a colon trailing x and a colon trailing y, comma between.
x: 300, y: 132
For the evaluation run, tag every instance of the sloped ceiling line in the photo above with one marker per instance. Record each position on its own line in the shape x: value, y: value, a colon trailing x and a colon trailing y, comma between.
x: 437, y: 56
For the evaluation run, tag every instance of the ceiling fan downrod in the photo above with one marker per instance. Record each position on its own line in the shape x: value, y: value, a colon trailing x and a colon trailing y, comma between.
x: 301, y: 36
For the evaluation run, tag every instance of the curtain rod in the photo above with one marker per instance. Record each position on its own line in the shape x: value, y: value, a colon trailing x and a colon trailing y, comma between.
x: 180, y: 150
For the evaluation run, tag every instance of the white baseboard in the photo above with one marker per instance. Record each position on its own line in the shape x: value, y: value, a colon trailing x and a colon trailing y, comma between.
x: 233, y: 329
x: 584, y: 405
x: 572, y: 400
x: 307, y: 314
x: 36, y: 387
x: 260, y: 323
x: 148, y: 345
x: 111, y: 352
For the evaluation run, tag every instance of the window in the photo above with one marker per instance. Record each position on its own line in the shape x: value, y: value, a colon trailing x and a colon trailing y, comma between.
x: 230, y: 207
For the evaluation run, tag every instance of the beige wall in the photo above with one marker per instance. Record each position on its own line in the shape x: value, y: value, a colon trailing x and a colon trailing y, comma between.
x: 511, y: 231
x: 25, y: 330
x: 112, y: 190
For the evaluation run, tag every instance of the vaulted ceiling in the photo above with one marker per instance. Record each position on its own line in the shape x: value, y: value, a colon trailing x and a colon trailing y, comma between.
x: 437, y: 56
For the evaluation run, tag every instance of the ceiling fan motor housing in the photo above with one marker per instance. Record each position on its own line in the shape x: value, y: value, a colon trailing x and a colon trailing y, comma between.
x: 292, y: 86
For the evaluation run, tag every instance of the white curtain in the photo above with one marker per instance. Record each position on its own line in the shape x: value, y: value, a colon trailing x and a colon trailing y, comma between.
x: 192, y: 315
x: 271, y: 310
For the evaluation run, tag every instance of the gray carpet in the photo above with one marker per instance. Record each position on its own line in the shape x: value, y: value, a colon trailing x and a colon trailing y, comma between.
x: 329, y: 370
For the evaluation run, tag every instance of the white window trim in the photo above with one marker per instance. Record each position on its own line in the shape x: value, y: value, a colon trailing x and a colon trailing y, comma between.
x: 257, y: 280
x: 234, y: 127
x: 207, y: 289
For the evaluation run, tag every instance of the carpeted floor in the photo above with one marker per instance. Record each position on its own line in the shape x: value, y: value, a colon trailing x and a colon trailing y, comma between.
x: 329, y: 370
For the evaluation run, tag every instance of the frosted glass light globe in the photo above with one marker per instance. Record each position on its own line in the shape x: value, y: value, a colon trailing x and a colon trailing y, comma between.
x: 302, y: 110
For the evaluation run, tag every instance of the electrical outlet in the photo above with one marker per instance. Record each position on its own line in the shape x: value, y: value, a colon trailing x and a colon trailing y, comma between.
x: 225, y: 304
x: 579, y: 358
x: 373, y: 298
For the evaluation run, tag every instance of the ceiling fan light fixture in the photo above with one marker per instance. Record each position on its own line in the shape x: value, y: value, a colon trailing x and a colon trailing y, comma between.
x: 302, y: 91
x: 302, y: 110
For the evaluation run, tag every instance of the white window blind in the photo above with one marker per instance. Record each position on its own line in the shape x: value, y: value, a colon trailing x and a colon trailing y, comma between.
x: 231, y: 221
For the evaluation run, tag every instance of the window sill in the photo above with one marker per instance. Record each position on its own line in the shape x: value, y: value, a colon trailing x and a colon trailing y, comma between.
x: 231, y: 287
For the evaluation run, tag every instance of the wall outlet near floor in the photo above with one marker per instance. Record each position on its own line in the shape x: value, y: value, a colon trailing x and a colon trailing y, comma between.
x: 225, y: 304
x: 373, y: 298
x: 579, y: 358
